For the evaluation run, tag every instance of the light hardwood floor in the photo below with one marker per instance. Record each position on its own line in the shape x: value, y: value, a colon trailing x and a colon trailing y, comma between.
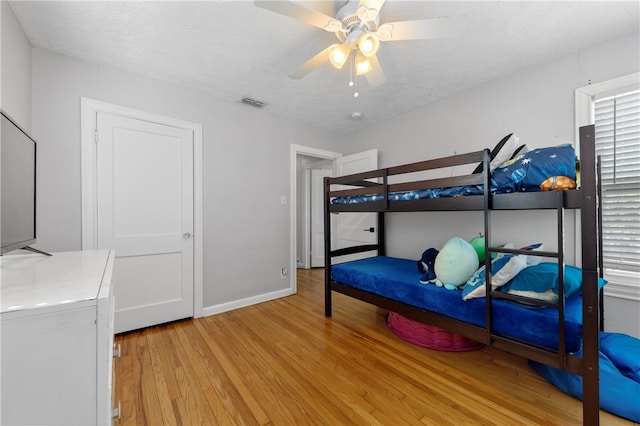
x: 283, y: 363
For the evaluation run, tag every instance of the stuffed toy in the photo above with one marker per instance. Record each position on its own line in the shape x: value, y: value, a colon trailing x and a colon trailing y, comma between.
x: 455, y: 264
x: 558, y: 183
x: 478, y: 245
x: 426, y: 266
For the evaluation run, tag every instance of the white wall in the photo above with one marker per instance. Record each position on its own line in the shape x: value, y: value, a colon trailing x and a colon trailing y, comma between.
x: 246, y: 170
x: 15, y: 75
x: 538, y: 105
x: 622, y: 315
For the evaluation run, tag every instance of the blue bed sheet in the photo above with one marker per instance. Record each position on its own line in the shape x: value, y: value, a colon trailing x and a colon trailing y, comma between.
x: 399, y: 279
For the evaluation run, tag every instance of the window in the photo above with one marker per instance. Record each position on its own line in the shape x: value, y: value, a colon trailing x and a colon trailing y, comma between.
x: 614, y: 107
x: 617, y: 121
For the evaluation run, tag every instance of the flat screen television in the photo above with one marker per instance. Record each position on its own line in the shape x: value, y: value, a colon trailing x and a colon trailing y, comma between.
x: 17, y: 187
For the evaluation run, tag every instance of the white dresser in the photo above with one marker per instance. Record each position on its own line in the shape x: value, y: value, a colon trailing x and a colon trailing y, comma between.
x: 56, y: 336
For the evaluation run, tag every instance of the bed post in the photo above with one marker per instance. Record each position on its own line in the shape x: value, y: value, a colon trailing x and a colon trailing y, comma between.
x: 382, y: 241
x: 600, y: 255
x: 487, y: 205
x: 327, y: 249
x: 590, y: 293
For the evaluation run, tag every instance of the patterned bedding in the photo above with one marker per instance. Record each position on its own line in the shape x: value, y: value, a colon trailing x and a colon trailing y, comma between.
x: 552, y: 168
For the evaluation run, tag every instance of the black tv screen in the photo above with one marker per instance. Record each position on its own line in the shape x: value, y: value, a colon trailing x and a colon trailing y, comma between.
x: 18, y: 187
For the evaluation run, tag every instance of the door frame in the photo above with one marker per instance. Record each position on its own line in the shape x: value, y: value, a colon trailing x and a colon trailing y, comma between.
x: 307, y: 212
x: 89, y: 110
x: 296, y: 150
x: 306, y: 221
x: 310, y: 211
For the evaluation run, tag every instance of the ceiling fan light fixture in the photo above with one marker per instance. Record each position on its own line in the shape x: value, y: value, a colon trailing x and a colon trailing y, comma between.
x: 368, y: 44
x: 339, y: 55
x: 363, y: 64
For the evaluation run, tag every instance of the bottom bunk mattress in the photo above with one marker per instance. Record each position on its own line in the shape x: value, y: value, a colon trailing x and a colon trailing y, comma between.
x: 399, y: 280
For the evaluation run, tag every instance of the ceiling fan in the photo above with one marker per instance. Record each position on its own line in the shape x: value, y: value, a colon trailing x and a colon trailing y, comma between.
x: 358, y: 29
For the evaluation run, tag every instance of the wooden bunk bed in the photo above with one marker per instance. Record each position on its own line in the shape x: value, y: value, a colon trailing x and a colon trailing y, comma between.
x: 583, y: 199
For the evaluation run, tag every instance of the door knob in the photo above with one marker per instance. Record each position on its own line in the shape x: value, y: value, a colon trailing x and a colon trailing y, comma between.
x: 372, y: 229
x: 187, y: 235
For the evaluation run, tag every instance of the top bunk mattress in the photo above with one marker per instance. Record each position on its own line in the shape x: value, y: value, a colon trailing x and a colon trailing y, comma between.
x: 399, y: 280
x: 422, y: 194
x: 543, y: 169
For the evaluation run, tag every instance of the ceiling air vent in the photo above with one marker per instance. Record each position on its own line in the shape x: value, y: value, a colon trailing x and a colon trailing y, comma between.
x: 253, y: 103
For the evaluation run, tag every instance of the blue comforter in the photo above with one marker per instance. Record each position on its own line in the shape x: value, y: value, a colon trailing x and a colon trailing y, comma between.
x: 399, y: 279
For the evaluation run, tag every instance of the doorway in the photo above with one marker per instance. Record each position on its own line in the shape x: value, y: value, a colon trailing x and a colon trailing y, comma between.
x: 310, y: 210
x: 301, y: 156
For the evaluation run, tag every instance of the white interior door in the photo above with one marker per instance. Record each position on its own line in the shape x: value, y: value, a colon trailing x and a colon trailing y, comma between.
x: 356, y: 228
x: 317, y: 216
x: 145, y: 186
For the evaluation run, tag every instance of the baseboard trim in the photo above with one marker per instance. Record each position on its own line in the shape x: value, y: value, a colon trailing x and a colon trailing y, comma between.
x: 242, y: 303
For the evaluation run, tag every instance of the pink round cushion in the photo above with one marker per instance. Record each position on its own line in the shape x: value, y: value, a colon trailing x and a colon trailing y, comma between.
x: 428, y: 336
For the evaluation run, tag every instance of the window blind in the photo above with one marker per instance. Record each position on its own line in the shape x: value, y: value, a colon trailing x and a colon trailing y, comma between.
x: 617, y: 124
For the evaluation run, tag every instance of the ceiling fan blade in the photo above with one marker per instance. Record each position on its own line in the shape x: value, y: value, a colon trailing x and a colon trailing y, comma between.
x: 422, y: 29
x: 369, y: 9
x: 375, y: 77
x: 301, y: 13
x: 313, y: 63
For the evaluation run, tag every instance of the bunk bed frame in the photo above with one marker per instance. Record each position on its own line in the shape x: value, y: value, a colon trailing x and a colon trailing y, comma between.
x: 584, y: 200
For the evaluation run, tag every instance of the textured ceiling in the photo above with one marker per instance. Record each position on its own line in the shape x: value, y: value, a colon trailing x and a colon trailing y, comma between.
x: 233, y: 49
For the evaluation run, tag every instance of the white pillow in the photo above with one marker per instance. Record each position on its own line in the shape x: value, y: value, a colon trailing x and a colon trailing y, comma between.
x: 506, y: 152
x: 503, y: 268
x: 533, y: 260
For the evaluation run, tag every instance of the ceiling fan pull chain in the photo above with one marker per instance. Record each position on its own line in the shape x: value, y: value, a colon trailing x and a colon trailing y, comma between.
x: 353, y: 75
x: 356, y: 94
x: 351, y: 67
